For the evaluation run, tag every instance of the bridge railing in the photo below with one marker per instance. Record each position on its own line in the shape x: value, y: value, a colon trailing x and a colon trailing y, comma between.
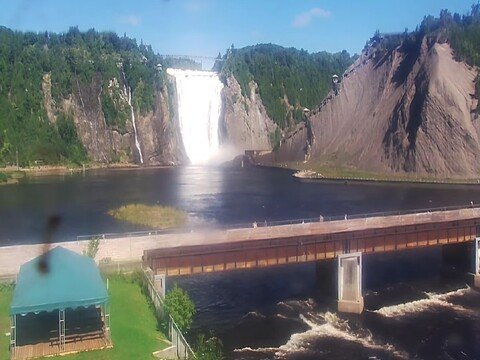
x: 132, y: 234
x: 322, y: 218
x: 266, y: 223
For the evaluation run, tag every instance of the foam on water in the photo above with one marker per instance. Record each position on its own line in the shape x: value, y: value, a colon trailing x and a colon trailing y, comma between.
x: 254, y: 314
x: 322, y: 325
x: 433, y: 300
x: 335, y: 327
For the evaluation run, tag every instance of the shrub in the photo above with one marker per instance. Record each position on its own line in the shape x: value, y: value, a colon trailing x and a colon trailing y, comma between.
x: 209, y: 349
x: 180, y: 307
x: 92, y: 247
x: 3, y: 177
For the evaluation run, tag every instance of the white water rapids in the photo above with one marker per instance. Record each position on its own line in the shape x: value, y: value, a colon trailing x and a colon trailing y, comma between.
x: 199, y: 107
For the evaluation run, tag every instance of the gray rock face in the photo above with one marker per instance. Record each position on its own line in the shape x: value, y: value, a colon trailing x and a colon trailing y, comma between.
x: 245, y: 124
x: 400, y: 111
x: 158, y: 131
x: 103, y: 144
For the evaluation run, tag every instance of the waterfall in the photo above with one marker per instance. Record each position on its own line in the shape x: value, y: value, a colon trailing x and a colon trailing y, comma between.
x: 137, y: 143
x: 199, y: 106
x: 128, y: 94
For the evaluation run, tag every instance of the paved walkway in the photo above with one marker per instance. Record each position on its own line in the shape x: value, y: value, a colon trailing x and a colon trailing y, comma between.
x: 131, y: 248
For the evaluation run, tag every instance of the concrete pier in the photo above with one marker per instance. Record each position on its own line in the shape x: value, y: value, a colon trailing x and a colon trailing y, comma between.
x: 160, y: 284
x: 350, y: 299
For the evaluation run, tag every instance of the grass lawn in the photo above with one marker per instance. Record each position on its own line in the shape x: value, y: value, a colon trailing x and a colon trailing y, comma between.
x: 155, y: 217
x: 133, y: 324
x: 6, y: 293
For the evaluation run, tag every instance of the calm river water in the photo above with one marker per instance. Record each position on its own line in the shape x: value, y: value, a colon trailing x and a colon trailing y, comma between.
x: 413, y: 310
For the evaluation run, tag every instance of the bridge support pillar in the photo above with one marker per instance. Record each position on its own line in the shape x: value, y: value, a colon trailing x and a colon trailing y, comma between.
x: 476, y: 274
x: 160, y: 284
x: 350, y: 299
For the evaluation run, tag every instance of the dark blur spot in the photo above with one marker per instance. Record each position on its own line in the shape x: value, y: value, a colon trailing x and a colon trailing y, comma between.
x: 52, y: 226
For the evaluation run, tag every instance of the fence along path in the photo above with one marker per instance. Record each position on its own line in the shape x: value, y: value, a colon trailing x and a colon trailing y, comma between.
x: 131, y: 246
x: 182, y: 349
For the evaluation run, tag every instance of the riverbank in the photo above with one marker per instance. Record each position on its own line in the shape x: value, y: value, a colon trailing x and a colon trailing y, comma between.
x: 327, y: 172
x: 302, y: 171
x: 49, y: 170
x: 42, y: 170
x: 7, y: 178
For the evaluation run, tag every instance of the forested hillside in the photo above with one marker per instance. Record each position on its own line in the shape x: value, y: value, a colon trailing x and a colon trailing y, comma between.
x: 67, y: 61
x: 407, y: 106
x: 464, y: 36
x: 288, y: 79
x: 462, y: 32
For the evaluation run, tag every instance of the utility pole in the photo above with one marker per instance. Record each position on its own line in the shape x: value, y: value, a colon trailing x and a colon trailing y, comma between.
x: 16, y: 154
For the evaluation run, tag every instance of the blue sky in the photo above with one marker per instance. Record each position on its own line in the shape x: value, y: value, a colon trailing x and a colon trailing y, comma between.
x: 205, y: 27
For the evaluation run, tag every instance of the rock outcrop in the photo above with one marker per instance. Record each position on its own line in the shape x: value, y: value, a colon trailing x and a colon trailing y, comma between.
x: 158, y: 131
x: 410, y: 109
x: 245, y: 124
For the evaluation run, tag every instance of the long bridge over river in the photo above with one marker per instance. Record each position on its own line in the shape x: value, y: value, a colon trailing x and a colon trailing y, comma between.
x: 346, y: 239
x: 237, y: 249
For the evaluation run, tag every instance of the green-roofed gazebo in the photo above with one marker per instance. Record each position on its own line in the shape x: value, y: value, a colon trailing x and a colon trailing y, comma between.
x: 64, y: 282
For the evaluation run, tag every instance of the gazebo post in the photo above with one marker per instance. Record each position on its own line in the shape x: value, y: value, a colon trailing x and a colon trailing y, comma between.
x: 13, y: 335
x: 61, y: 328
x: 106, y: 307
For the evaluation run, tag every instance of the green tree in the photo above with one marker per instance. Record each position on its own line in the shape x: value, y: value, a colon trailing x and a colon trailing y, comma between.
x: 288, y: 79
x: 180, y: 307
x: 208, y: 349
x: 92, y: 247
x: 76, y: 63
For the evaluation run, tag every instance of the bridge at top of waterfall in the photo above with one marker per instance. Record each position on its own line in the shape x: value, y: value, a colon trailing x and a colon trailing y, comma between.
x: 254, y: 247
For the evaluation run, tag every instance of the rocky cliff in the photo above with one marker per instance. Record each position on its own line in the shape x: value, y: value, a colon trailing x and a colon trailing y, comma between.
x: 157, y: 130
x: 407, y: 109
x: 245, y: 124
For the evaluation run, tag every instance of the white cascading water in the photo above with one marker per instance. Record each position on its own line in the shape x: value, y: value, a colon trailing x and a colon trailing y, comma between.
x: 128, y: 94
x: 199, y: 106
x: 137, y: 143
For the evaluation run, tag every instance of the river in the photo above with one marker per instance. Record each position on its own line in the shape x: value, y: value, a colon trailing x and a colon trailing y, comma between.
x: 412, y: 311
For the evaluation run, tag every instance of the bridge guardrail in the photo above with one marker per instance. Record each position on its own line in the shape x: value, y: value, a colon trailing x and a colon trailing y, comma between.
x: 266, y: 223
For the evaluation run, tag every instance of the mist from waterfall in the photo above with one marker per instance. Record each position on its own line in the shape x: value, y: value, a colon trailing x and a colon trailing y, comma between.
x: 199, y: 106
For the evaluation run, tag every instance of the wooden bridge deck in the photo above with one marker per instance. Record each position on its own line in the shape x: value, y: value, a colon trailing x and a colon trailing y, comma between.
x: 268, y: 246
